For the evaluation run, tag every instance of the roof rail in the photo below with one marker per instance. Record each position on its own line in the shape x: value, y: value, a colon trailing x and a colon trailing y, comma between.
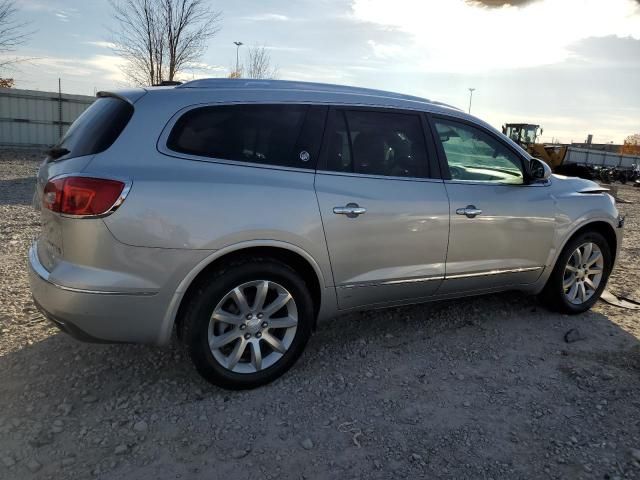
x: 297, y: 85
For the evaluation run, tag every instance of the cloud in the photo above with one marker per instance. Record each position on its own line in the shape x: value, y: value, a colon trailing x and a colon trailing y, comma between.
x: 385, y: 51
x: 499, y: 3
x: 196, y: 70
x: 108, y: 66
x: 285, y: 49
x: 104, y: 67
x: 607, y: 52
x: 530, y: 34
x: 101, y: 44
x: 314, y: 73
x: 37, y: 5
x: 266, y: 17
x: 60, y: 11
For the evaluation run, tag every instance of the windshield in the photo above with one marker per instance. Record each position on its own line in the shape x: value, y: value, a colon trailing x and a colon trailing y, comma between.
x: 523, y: 133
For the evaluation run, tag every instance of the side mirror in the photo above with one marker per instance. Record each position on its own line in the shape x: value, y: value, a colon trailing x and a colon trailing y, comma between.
x: 539, y: 170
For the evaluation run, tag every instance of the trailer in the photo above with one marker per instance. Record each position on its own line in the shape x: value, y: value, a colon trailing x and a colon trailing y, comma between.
x: 593, y: 158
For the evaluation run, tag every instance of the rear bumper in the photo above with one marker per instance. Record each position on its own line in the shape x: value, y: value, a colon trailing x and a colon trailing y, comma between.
x: 96, y: 315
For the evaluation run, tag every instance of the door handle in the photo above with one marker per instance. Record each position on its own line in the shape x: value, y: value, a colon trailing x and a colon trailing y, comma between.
x: 470, y: 211
x: 351, y: 210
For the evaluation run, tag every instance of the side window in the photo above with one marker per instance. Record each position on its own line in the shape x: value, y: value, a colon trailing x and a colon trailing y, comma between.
x: 265, y: 134
x: 474, y: 155
x: 377, y: 143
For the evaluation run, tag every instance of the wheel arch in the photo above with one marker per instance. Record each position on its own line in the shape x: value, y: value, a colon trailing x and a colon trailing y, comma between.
x: 602, y: 227
x: 301, y: 261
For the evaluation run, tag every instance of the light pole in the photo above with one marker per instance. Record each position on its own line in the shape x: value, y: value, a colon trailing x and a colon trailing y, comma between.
x: 470, y: 97
x: 237, y: 44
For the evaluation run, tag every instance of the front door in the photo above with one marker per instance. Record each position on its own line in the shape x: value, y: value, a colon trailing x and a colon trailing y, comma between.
x: 502, y: 228
x: 386, y: 220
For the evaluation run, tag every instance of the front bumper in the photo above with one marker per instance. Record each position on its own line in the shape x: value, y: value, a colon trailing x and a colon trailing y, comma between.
x: 98, y: 316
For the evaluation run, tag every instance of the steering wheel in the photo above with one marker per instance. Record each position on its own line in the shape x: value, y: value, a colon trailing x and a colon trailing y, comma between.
x: 456, y: 172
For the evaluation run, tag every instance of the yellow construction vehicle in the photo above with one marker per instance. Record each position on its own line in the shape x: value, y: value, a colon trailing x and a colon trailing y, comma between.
x: 526, y: 135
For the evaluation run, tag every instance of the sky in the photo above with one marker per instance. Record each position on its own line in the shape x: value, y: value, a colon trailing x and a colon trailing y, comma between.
x: 572, y: 66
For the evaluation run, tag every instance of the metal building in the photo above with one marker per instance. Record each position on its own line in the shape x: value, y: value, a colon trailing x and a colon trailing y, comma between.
x: 31, y: 118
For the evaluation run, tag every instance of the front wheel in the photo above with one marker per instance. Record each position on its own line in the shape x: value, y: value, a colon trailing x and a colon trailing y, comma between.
x: 580, y: 274
x: 248, y: 323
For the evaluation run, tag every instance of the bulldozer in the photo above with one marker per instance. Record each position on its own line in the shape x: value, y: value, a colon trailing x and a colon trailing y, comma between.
x: 526, y: 135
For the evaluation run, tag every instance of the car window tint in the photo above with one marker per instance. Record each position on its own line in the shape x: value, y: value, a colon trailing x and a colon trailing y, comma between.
x: 339, y: 153
x: 377, y: 143
x: 97, y: 128
x: 474, y: 155
x: 266, y: 134
x: 307, y: 146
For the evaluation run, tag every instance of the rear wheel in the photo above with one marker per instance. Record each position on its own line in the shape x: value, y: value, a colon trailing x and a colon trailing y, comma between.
x: 580, y: 274
x: 248, y: 323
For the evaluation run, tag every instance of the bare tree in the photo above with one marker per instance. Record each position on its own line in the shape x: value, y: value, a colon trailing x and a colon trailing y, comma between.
x: 259, y: 64
x: 13, y: 32
x: 160, y: 38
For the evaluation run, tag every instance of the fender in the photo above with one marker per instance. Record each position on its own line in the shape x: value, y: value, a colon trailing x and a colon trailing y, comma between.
x: 583, y: 221
x: 555, y: 253
x: 169, y: 318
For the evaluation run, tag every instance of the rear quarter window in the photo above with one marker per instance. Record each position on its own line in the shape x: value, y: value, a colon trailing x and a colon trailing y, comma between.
x: 281, y: 135
x: 97, y: 128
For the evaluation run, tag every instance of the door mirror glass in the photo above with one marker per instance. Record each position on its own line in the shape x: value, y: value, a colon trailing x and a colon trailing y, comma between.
x: 539, y: 169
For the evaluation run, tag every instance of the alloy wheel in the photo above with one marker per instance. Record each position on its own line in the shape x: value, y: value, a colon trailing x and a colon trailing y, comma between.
x: 583, y: 273
x: 253, y: 326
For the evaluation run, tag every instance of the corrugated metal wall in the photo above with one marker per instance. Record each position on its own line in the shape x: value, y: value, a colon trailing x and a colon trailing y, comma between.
x: 30, y: 118
x: 583, y: 156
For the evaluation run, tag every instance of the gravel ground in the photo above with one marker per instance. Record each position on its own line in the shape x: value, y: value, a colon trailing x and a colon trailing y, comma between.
x: 479, y: 388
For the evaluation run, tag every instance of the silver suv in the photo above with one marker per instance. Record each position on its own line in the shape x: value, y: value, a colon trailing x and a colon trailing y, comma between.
x: 239, y: 213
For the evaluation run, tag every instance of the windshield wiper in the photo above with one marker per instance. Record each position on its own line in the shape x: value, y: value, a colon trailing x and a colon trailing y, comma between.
x: 56, y: 152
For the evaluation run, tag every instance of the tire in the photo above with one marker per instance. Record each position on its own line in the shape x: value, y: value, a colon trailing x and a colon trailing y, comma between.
x: 555, y: 297
x: 218, y: 292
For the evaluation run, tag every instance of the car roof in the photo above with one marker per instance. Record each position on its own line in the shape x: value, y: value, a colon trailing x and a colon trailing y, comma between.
x: 239, y: 90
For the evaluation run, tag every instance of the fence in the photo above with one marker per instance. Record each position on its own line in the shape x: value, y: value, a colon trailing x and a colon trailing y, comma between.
x: 30, y: 118
x: 582, y: 156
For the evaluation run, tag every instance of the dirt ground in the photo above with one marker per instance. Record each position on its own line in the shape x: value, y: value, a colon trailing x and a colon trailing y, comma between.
x: 482, y: 388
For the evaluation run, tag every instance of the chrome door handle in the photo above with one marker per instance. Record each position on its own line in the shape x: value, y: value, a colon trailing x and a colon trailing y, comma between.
x: 470, y: 211
x: 351, y: 210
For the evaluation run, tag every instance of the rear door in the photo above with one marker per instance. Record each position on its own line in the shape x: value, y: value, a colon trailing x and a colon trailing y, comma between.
x: 385, y: 216
x: 502, y: 227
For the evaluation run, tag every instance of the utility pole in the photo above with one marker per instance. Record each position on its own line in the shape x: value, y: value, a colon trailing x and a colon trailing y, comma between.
x: 238, y: 44
x: 470, y: 97
x: 59, y: 108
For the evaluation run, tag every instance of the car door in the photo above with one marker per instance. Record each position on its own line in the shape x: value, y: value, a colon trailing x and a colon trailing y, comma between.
x: 386, y: 219
x: 502, y: 226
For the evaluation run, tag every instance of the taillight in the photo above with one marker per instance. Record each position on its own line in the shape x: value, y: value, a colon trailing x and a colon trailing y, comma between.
x: 81, y: 195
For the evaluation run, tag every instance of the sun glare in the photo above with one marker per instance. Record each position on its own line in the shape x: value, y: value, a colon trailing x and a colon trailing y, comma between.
x: 460, y: 36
